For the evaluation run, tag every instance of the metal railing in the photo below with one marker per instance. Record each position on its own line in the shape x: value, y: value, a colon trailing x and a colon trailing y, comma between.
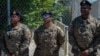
x: 65, y: 45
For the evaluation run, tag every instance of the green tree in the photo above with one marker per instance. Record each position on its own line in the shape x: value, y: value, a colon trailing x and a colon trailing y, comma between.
x: 31, y: 10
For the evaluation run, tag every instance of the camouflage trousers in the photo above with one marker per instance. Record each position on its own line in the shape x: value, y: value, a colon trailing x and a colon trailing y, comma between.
x: 94, y: 53
x: 76, y: 54
x: 45, y: 53
x: 25, y: 53
x: 18, y: 55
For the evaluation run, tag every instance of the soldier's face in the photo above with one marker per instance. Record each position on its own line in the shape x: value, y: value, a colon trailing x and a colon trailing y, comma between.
x: 85, y: 10
x: 47, y: 20
x: 14, y: 19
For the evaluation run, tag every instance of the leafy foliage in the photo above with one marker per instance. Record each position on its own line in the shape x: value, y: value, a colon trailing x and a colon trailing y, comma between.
x: 32, y: 10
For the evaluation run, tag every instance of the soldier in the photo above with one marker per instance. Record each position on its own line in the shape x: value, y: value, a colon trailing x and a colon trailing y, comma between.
x: 17, y: 37
x: 48, y: 37
x: 83, y: 33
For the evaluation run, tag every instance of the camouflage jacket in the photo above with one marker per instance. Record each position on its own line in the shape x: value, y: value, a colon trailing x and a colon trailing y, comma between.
x: 49, y: 39
x: 84, y: 33
x: 17, y: 39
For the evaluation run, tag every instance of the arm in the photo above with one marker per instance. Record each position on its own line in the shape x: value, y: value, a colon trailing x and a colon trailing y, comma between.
x: 96, y: 41
x: 25, y: 40
x: 60, y: 37
x: 72, y: 40
x: 3, y: 43
x: 36, y: 37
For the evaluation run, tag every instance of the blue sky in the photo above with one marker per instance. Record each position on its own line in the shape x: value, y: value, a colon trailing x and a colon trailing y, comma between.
x: 92, y: 1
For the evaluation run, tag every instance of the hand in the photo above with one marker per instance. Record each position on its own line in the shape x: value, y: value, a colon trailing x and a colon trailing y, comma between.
x: 14, y: 55
x: 9, y: 55
x: 84, y: 53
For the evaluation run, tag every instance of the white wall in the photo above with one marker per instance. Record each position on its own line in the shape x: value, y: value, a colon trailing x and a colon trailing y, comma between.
x: 94, y: 10
x: 99, y: 9
x: 76, y: 8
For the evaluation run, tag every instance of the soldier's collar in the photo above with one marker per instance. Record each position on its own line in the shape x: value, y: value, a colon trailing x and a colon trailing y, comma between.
x: 90, y: 19
x: 49, y: 26
x: 18, y: 25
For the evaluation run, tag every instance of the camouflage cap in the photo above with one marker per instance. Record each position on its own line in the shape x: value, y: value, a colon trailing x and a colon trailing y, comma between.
x: 85, y: 2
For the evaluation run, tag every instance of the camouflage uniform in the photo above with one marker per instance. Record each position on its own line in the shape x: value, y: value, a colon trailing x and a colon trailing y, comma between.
x: 83, y: 34
x: 48, y: 40
x: 17, y: 40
